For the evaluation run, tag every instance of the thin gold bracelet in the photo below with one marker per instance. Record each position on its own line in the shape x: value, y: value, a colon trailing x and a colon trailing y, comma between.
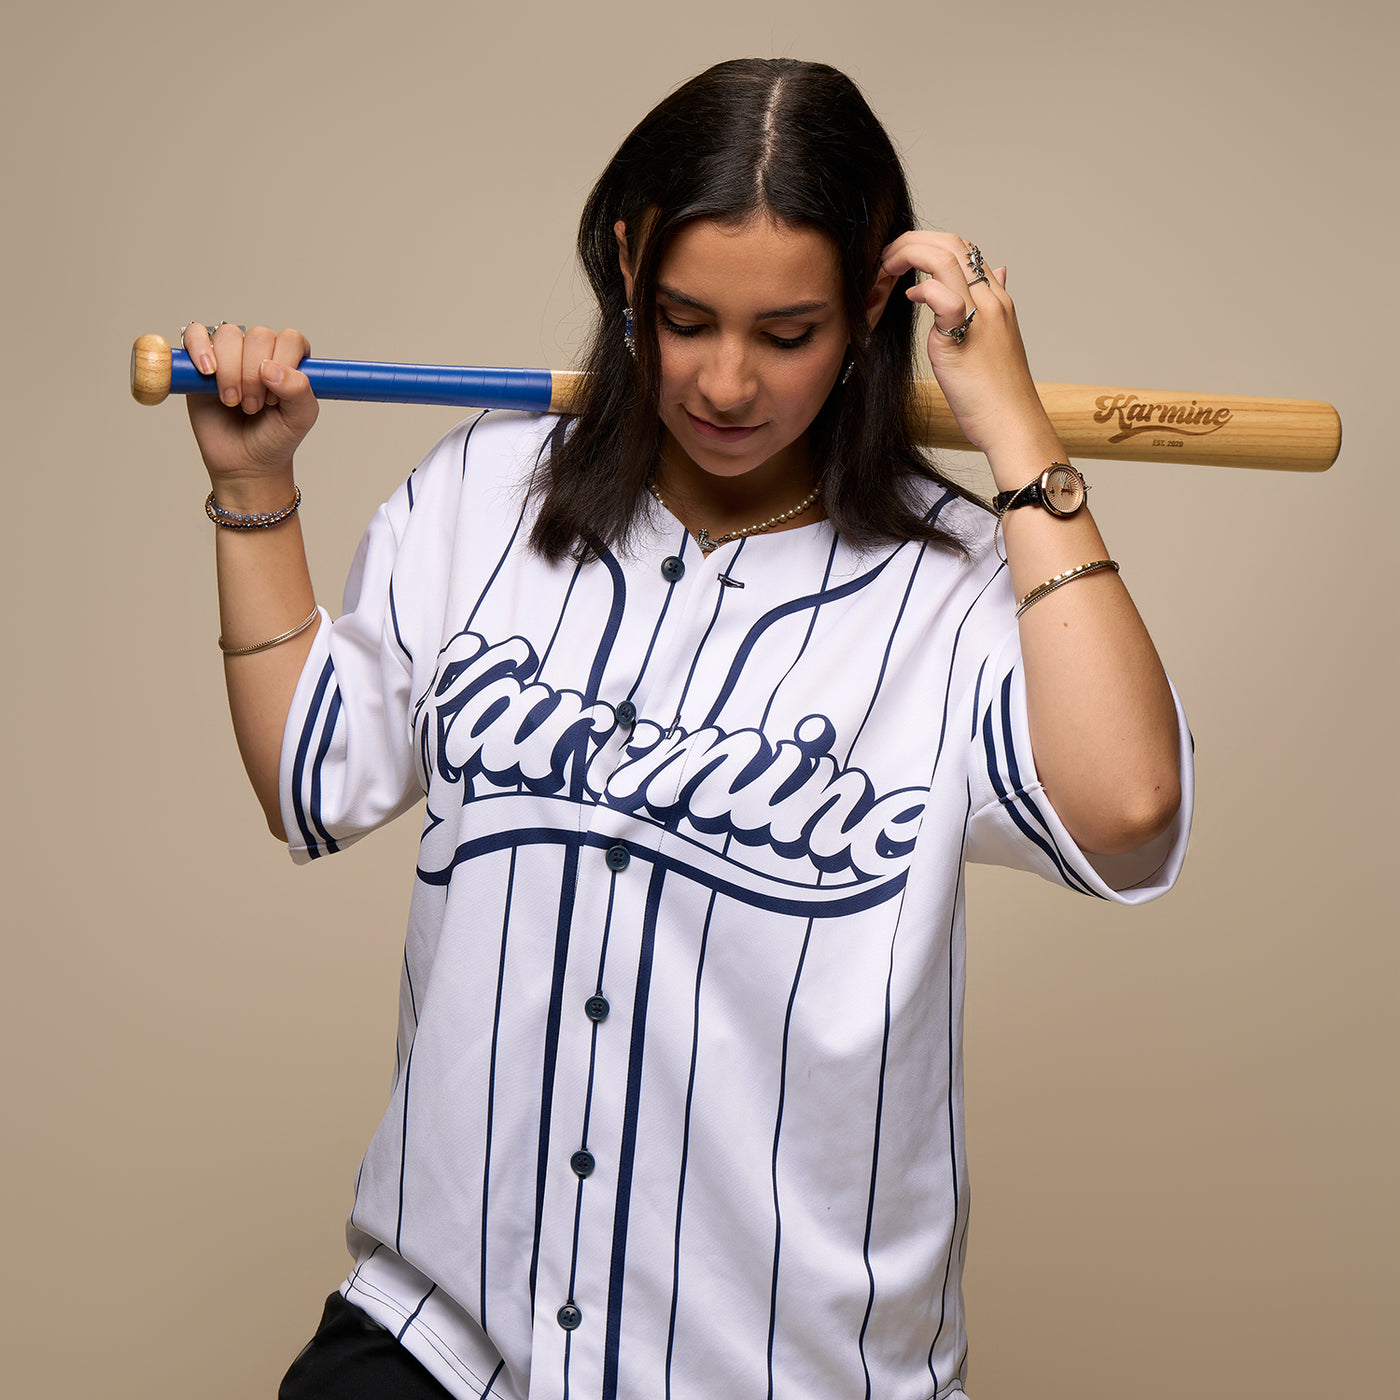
x: 271, y: 641
x: 1059, y: 581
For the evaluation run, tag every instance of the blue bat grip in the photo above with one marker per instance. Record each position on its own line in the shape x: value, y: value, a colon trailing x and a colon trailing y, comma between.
x: 374, y: 381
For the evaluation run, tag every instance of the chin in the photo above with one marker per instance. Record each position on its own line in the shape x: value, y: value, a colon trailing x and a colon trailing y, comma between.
x: 728, y: 464
x: 728, y: 459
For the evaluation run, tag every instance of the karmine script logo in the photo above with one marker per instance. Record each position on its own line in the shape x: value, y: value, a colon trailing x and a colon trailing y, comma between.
x: 1133, y: 417
x: 490, y: 726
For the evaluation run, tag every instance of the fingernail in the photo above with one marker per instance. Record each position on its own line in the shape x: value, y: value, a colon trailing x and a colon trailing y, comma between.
x: 271, y: 372
x: 250, y: 404
x: 230, y: 396
x: 206, y: 363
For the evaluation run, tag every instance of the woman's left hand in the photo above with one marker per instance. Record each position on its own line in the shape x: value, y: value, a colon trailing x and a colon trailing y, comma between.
x: 985, y: 376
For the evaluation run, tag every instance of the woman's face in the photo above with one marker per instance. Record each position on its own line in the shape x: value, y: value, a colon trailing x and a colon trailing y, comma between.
x: 752, y: 331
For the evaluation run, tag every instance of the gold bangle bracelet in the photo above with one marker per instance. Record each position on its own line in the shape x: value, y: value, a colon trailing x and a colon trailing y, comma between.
x: 1059, y: 581
x: 271, y: 641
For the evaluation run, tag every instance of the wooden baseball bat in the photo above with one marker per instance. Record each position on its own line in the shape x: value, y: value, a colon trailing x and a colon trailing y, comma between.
x: 1092, y: 420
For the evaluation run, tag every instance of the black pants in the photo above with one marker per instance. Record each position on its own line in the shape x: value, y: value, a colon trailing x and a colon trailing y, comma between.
x: 352, y: 1357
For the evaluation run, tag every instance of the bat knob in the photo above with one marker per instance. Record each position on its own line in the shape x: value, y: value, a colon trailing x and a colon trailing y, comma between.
x: 150, y: 369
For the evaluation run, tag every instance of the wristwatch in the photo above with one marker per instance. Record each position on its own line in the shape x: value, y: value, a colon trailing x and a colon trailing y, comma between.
x: 1060, y: 489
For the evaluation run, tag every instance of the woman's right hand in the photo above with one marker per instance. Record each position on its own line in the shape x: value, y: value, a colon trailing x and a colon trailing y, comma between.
x: 265, y: 406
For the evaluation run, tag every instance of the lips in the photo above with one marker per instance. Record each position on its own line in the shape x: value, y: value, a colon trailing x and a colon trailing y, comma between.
x: 717, y: 433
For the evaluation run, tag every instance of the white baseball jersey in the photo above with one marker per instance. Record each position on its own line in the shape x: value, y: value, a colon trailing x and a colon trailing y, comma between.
x: 677, y: 1109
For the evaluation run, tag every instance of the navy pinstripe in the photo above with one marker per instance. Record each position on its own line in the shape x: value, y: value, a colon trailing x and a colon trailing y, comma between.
x: 491, y: 1089
x: 617, y: 1264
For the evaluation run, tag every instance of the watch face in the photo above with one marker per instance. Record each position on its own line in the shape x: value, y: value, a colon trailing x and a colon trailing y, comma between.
x: 1062, y: 490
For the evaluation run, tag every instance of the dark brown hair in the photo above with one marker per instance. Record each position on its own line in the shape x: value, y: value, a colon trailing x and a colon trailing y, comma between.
x: 795, y: 142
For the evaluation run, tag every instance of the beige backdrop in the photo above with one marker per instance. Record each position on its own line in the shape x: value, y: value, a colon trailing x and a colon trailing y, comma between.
x: 1182, y: 1119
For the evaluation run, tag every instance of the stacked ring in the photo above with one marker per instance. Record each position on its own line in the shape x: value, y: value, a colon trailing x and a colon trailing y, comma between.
x: 959, y: 333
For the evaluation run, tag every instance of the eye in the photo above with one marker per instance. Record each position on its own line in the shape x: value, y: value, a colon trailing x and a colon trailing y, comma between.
x: 679, y: 327
x: 794, y: 342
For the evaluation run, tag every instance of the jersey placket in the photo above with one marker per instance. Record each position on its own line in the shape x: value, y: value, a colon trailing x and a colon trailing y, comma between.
x: 602, y: 1020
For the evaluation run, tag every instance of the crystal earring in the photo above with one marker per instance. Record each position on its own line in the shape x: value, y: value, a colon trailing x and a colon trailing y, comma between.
x: 628, y: 338
x: 851, y: 362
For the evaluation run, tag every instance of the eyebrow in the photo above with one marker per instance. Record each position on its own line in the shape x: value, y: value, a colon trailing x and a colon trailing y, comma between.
x: 779, y: 313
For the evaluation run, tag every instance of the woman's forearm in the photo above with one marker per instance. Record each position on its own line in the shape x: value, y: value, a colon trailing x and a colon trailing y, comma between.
x: 264, y: 591
x: 1102, y: 719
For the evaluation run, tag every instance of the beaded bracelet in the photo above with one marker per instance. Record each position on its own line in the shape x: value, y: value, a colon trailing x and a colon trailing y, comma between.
x: 231, y: 520
x: 1059, y: 581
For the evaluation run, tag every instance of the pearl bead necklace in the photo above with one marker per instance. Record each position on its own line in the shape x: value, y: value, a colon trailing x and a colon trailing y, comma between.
x: 707, y: 544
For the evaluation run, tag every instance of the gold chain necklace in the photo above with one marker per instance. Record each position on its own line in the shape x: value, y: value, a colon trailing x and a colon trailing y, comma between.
x: 707, y: 544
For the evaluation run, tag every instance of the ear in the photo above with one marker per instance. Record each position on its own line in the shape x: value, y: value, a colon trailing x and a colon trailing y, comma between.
x: 624, y: 260
x: 878, y: 299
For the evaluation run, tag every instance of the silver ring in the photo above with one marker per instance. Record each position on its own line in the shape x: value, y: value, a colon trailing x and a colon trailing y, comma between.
x: 208, y: 328
x: 974, y: 259
x: 959, y: 333
x: 981, y: 277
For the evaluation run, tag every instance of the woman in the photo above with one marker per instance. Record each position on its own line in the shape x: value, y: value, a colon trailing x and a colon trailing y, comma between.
x: 711, y: 692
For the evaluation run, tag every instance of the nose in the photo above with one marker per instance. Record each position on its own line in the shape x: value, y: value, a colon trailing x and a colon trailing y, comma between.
x: 726, y: 376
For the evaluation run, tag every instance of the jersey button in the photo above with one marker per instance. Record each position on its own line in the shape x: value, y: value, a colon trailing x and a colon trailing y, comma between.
x: 618, y: 856
x: 627, y: 713
x: 582, y: 1162
x: 672, y: 569
x: 569, y: 1317
x: 596, y: 1008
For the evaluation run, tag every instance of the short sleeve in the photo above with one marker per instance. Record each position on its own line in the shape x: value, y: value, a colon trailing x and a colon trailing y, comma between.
x: 1013, y: 823
x: 347, y: 753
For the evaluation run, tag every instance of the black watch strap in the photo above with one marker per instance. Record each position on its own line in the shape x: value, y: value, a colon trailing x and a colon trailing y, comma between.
x: 1027, y: 495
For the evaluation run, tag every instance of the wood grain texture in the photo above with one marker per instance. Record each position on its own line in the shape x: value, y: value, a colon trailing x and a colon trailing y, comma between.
x: 150, y: 369
x: 1156, y: 425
